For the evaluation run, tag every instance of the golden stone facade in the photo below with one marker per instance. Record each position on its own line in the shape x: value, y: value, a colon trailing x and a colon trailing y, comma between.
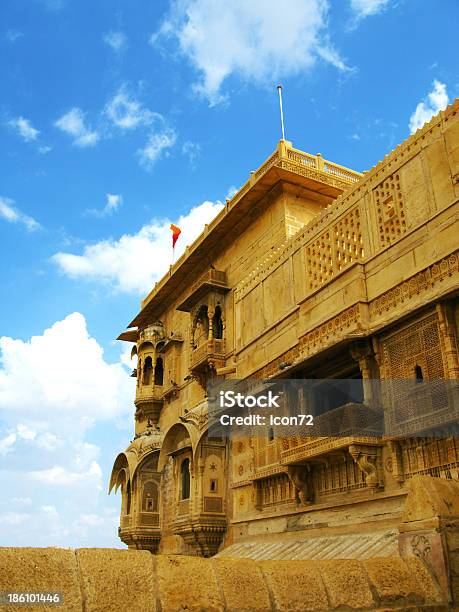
x: 311, y: 271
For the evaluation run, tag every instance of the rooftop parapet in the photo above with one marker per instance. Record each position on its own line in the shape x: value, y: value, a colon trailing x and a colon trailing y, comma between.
x: 286, y: 162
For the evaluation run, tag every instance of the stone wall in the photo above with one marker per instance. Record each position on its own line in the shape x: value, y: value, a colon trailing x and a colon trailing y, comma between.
x: 106, y: 580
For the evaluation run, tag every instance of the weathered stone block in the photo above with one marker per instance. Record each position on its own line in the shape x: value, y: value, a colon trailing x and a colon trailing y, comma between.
x: 243, y: 586
x: 393, y: 581
x: 347, y: 583
x: 35, y: 570
x: 113, y: 580
x: 296, y: 586
x: 187, y: 583
x: 431, y: 497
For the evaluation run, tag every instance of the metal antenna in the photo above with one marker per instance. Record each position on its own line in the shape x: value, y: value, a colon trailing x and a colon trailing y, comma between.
x: 279, y: 89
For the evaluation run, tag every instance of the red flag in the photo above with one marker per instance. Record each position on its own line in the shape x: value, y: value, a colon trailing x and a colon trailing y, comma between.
x: 176, y: 231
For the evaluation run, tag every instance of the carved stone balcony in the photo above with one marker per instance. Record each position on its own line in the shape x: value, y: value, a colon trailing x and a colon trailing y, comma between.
x: 203, y: 533
x: 206, y: 358
x: 144, y: 534
x: 149, y: 400
x: 211, y: 280
x: 148, y: 393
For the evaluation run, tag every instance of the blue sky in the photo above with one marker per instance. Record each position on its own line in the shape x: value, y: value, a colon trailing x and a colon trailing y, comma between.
x: 119, y: 117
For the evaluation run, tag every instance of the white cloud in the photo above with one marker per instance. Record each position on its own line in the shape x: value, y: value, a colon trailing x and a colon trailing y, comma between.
x: 7, y: 443
x: 192, y: 150
x: 258, y: 41
x: 133, y: 263
x: 127, y: 113
x: 365, y: 8
x: 12, y: 35
x: 116, y: 40
x: 69, y: 384
x: 156, y: 145
x: 436, y: 101
x: 73, y: 124
x: 12, y: 214
x: 60, y: 476
x: 24, y: 128
x: 50, y: 511
x: 25, y: 432
x: 113, y: 202
x: 14, y: 518
x: 44, y: 149
x: 56, y: 389
x: 21, y: 501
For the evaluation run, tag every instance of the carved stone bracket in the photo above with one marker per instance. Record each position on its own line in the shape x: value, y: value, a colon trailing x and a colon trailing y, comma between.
x: 301, y: 480
x: 368, y: 458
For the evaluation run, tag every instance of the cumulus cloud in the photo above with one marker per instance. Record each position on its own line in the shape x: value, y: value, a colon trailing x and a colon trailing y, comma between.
x: 60, y: 476
x: 117, y: 41
x: 157, y: 145
x: 258, y: 41
x: 56, y: 390
x: 10, y: 213
x: 68, y: 380
x: 73, y: 123
x: 24, y: 128
x: 436, y: 101
x: 127, y: 113
x: 133, y: 263
x: 365, y: 8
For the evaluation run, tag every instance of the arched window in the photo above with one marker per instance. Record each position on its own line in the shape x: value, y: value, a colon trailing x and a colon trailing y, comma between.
x: 147, y: 371
x: 201, y: 327
x: 418, y: 374
x: 150, y: 497
x: 159, y: 371
x: 217, y: 323
x: 128, y: 498
x: 185, y: 479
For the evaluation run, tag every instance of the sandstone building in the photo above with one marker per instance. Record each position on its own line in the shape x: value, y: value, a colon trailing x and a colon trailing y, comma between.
x: 311, y: 271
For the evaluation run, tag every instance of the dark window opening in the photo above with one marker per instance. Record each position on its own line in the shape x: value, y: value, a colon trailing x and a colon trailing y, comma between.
x: 147, y: 371
x: 128, y: 498
x: 201, y: 331
x: 159, y: 371
x: 270, y: 434
x: 185, y: 479
x: 213, y: 486
x: 418, y: 374
x: 217, y: 324
x: 334, y: 394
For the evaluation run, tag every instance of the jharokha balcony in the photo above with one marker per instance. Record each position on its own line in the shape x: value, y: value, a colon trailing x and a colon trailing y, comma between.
x: 149, y: 393
x: 211, y: 280
x: 211, y: 353
x: 206, y: 358
x: 149, y: 401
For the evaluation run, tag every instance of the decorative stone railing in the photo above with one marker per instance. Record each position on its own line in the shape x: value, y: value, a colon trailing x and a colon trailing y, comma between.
x: 209, y: 350
x: 149, y: 393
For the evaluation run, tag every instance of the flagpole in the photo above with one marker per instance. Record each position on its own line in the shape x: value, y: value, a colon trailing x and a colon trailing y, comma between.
x: 279, y: 89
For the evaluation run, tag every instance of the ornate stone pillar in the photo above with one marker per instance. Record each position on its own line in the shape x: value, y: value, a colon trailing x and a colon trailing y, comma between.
x: 210, y: 318
x: 447, y: 326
